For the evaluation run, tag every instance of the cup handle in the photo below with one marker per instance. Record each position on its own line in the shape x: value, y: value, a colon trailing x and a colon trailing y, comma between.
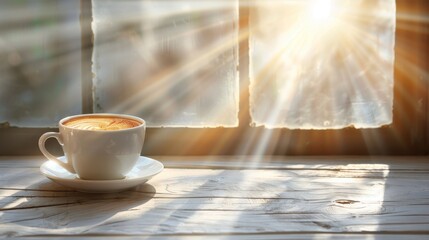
x: 42, y: 140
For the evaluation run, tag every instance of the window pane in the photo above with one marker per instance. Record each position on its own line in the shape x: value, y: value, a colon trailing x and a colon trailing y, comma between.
x: 322, y: 64
x: 171, y: 62
x: 40, y: 58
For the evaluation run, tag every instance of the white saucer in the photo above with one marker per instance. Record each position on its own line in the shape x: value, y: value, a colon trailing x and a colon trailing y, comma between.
x: 144, y: 170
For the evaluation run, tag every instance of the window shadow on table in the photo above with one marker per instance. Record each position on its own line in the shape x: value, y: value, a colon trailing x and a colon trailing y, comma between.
x: 327, y: 200
x: 48, y: 208
x: 196, y: 204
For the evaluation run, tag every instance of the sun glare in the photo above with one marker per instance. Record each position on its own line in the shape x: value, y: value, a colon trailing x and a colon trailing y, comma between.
x: 321, y: 11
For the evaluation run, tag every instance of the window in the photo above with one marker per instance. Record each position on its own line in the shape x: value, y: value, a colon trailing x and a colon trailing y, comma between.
x: 40, y: 61
x: 407, y: 134
x: 173, y: 63
x: 322, y: 64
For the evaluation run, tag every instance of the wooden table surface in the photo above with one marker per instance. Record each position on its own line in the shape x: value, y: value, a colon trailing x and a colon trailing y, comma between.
x: 228, y: 198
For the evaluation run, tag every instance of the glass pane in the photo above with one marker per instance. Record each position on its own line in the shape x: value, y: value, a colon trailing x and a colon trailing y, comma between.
x: 40, y: 58
x: 322, y: 64
x: 174, y: 63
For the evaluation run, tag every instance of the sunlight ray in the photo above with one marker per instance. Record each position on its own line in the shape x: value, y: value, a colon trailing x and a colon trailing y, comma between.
x: 152, y: 91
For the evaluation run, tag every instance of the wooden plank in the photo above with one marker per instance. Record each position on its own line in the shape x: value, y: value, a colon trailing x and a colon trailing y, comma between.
x: 294, y: 236
x: 246, y: 183
x: 115, y: 219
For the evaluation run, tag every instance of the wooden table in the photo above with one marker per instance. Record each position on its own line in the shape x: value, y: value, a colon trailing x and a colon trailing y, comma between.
x: 228, y: 198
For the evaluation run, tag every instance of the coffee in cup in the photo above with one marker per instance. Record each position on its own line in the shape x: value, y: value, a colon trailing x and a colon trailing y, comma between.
x: 101, y: 123
x: 98, y: 146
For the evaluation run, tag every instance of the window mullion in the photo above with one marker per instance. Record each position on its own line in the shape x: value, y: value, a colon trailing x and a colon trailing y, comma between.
x: 86, y: 50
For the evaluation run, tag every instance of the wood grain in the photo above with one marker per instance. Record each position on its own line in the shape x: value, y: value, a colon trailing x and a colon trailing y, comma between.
x: 353, y: 199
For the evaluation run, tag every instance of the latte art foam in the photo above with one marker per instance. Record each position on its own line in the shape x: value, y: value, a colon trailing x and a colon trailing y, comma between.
x: 101, y: 123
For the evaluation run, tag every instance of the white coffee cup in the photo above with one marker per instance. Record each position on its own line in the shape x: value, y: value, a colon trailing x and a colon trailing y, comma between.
x: 95, y: 154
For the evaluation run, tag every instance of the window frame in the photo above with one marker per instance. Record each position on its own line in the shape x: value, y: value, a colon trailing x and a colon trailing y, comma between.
x: 407, y: 135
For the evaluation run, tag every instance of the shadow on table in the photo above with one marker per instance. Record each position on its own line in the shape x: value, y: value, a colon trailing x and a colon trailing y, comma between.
x: 52, y: 208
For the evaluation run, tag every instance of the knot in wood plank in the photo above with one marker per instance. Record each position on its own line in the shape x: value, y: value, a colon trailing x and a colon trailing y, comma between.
x: 345, y: 201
